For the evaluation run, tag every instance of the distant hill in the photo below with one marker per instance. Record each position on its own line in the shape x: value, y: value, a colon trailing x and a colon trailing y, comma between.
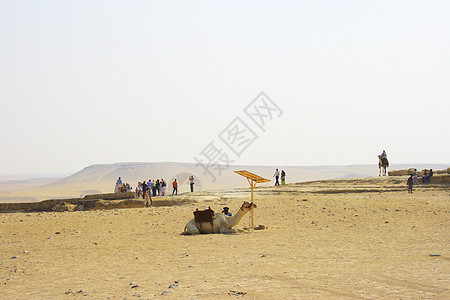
x: 102, y: 177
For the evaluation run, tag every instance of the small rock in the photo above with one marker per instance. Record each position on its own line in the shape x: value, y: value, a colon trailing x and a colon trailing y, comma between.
x: 68, y: 292
x: 264, y: 255
x: 134, y: 286
x: 79, y: 291
x: 14, y: 257
x: 173, y: 285
x: 57, y: 232
x: 236, y: 293
x: 166, y: 292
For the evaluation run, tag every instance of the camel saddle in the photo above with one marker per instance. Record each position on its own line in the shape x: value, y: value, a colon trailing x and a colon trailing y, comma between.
x: 206, y: 215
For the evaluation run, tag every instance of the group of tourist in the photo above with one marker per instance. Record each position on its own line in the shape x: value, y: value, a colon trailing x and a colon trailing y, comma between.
x: 122, y: 187
x: 154, y: 188
x: 148, y: 189
x: 425, y: 177
x: 277, y: 176
x: 413, y: 178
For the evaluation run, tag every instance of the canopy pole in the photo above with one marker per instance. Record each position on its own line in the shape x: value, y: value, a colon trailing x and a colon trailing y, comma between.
x: 252, y: 185
x: 252, y: 179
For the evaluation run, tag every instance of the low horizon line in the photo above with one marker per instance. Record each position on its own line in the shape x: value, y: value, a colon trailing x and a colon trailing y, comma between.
x: 59, y: 174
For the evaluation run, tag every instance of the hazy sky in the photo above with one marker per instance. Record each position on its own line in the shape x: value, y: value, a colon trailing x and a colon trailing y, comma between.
x: 87, y: 82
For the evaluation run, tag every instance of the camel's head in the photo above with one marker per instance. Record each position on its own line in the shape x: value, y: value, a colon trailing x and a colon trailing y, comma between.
x: 246, y: 206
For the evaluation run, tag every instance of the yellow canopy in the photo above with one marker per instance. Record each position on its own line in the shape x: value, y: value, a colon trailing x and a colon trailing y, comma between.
x: 251, y: 176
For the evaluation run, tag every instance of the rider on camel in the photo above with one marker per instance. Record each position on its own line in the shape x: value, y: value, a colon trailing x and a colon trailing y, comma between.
x: 384, y: 158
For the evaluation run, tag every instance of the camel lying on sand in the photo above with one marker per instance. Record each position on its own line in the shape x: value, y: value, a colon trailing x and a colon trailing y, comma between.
x: 220, y: 224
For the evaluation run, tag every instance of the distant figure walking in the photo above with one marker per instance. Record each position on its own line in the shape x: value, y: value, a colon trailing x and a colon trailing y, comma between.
x: 276, y: 175
x: 410, y: 184
x: 175, y: 187
x: 283, y: 177
x: 383, y: 163
x: 119, y: 181
x: 191, y: 183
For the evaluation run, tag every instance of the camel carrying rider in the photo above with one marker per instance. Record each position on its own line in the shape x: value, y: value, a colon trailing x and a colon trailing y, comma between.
x: 384, y: 158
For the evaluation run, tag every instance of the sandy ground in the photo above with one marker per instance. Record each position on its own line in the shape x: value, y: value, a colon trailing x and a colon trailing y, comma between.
x: 340, y: 239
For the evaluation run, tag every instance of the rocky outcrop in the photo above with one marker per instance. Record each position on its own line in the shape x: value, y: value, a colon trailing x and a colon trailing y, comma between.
x: 89, y: 202
x: 440, y: 179
x: 419, y: 173
x: 111, y: 196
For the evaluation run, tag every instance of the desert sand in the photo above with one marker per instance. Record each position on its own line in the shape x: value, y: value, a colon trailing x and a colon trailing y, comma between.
x: 363, y: 238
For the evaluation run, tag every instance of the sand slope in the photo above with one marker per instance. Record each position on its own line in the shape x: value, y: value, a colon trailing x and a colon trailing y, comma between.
x: 360, y: 241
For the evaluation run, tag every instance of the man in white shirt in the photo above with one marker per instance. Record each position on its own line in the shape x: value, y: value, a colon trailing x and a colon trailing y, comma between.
x: 276, y: 175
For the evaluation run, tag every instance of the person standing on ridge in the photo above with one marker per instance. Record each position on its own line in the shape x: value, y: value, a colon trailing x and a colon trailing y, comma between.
x: 144, y: 189
x: 175, y: 187
x: 283, y: 177
x: 415, y: 177
x: 410, y: 184
x: 191, y: 182
x: 150, y: 186
x: 276, y: 175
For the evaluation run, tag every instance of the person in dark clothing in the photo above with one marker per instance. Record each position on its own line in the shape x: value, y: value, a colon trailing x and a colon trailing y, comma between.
x: 283, y: 177
x: 158, y: 186
x: 154, y: 188
x: 410, y: 184
x: 144, y: 189
x: 191, y: 183
x: 430, y: 174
